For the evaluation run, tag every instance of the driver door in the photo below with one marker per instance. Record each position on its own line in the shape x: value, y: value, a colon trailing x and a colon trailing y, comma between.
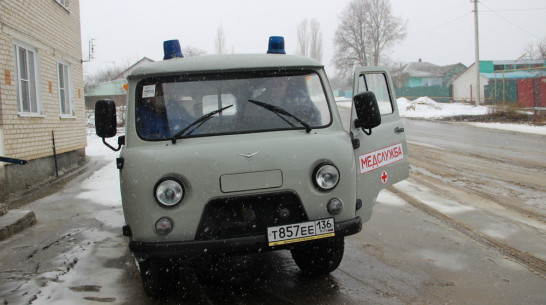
x: 382, y: 156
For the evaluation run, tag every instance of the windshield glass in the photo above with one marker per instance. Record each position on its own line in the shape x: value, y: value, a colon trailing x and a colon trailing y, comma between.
x: 166, y: 106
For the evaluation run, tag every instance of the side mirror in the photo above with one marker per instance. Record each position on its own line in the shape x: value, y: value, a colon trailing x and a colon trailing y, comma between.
x: 105, y: 118
x: 367, y: 111
x: 106, y: 123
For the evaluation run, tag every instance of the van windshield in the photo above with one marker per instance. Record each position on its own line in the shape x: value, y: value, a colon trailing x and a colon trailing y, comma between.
x: 167, y: 106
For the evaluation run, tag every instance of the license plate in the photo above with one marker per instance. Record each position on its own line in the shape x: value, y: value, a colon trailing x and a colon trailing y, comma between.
x: 299, y: 232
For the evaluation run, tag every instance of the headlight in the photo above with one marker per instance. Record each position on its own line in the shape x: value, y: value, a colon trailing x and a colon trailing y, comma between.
x: 169, y: 192
x: 326, y: 176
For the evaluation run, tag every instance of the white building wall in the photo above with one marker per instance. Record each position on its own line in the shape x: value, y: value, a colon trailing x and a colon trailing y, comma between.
x: 464, y: 86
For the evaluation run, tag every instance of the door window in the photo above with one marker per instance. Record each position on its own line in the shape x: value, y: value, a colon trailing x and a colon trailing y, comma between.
x: 377, y: 83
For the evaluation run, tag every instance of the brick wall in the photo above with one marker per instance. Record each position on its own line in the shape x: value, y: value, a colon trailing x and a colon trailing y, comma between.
x: 54, y: 32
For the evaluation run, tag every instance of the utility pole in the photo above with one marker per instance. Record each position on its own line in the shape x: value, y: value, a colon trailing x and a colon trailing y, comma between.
x: 477, y: 51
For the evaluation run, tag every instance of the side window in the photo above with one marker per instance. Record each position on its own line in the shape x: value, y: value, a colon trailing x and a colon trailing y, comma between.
x: 63, y: 3
x: 377, y: 83
x: 211, y: 103
x: 64, y: 79
x: 27, y: 87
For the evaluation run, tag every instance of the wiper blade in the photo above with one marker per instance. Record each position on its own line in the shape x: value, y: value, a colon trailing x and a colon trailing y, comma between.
x: 199, y: 121
x: 279, y: 110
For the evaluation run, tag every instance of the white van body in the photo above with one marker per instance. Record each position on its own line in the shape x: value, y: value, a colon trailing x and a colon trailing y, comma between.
x: 251, y: 178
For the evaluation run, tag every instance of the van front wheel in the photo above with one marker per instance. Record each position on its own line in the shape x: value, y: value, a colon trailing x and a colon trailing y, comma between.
x: 319, y: 257
x: 159, y: 277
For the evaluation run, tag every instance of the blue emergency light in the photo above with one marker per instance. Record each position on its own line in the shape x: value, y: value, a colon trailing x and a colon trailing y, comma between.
x: 276, y: 45
x: 171, y: 48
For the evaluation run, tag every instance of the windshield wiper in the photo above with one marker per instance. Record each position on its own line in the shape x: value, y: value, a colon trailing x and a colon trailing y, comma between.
x: 279, y: 110
x: 197, y: 122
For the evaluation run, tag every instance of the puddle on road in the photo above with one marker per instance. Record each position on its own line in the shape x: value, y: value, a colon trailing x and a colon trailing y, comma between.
x: 86, y: 288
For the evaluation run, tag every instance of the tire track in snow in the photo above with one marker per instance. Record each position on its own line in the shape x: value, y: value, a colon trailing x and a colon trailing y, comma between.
x: 534, y: 264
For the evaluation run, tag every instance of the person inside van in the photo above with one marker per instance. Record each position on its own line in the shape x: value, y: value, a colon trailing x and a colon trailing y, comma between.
x: 151, y: 116
x: 291, y: 94
x: 181, y: 113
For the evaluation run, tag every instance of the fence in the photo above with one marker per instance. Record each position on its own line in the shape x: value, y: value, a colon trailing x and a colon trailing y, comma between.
x: 524, y: 87
x: 437, y: 93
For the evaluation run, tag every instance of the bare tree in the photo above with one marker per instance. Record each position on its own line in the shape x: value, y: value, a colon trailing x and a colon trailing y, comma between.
x: 303, y: 42
x: 536, y: 50
x: 310, y: 39
x: 104, y: 75
x: 315, y: 45
x: 366, y: 32
x: 220, y: 42
x: 191, y: 51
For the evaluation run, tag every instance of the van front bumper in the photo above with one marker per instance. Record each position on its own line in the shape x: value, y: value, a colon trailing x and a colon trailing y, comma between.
x: 223, y: 247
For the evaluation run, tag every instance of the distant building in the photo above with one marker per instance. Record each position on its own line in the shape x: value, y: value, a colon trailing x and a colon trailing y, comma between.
x: 112, y: 89
x: 499, y: 82
x: 41, y: 91
x: 420, y: 78
x: 123, y: 75
x: 425, y: 74
x: 107, y: 90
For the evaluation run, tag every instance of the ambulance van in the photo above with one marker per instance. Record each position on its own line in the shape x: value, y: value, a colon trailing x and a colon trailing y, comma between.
x: 246, y: 153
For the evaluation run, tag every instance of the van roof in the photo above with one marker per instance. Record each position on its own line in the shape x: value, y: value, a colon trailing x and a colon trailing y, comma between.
x: 229, y: 62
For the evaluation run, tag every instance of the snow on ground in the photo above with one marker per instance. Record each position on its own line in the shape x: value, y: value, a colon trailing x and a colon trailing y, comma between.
x: 95, y: 147
x: 540, y: 130
x: 103, y: 186
x: 85, y: 280
x: 427, y: 108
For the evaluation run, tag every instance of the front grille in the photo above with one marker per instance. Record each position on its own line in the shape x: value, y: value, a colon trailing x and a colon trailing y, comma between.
x: 246, y: 215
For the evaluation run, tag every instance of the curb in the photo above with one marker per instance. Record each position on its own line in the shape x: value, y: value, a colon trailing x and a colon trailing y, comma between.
x: 15, y: 221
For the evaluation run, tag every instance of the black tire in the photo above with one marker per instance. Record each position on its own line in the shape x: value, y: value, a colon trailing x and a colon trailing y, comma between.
x: 319, y: 257
x: 159, y: 277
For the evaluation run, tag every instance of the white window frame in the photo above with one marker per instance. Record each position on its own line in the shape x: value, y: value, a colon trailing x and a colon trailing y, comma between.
x: 28, y: 82
x: 64, y: 89
x: 63, y: 3
x: 431, y: 82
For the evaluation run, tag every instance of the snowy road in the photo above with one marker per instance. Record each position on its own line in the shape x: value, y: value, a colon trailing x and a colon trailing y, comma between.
x: 466, y: 228
x: 504, y: 146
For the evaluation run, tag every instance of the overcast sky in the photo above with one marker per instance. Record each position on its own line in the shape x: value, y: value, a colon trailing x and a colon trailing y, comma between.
x: 439, y: 31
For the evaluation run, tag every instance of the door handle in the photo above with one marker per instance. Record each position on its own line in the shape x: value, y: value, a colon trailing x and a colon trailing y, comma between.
x: 399, y: 129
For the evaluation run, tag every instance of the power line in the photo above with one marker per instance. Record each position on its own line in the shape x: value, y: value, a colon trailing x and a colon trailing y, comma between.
x: 509, y: 21
x: 518, y: 10
x: 442, y: 24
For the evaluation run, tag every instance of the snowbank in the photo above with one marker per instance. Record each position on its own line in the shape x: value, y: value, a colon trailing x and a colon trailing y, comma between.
x: 427, y: 108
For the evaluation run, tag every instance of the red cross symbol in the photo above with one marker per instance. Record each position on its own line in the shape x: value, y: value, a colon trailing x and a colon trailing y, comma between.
x: 384, y: 177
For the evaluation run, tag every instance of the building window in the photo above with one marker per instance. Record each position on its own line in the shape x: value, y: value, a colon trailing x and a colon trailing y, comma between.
x: 64, y: 80
x: 26, y: 69
x: 63, y: 3
x: 498, y: 67
x: 431, y: 82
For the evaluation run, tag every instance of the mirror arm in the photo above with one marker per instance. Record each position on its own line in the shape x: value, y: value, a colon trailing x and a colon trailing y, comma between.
x: 110, y: 146
x: 358, y: 124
